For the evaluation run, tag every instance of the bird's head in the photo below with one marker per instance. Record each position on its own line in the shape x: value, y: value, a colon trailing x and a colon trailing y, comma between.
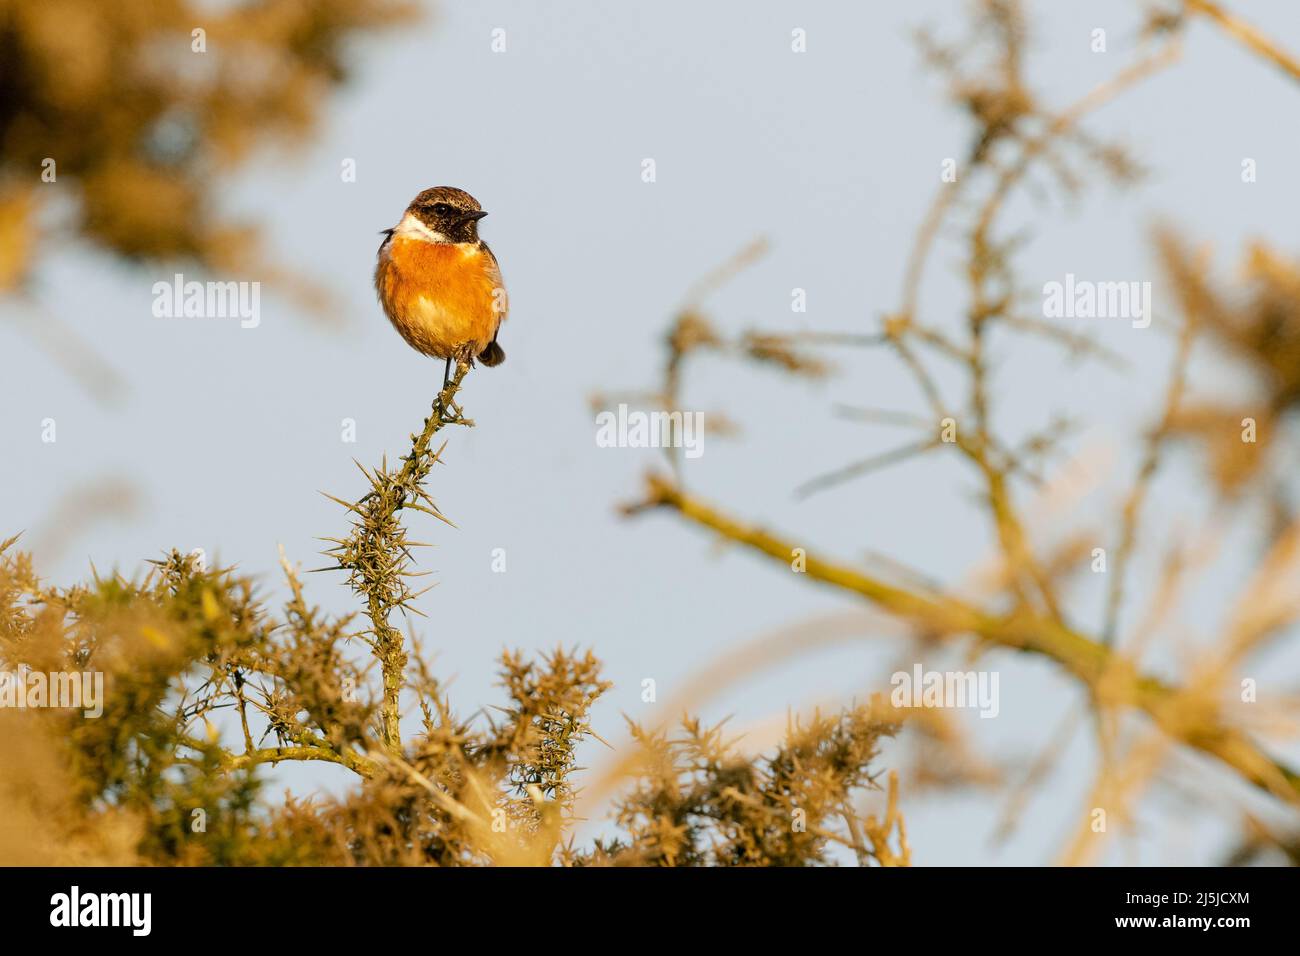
x: 448, y: 211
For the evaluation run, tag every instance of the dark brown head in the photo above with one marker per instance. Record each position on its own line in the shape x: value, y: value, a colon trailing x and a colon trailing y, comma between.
x: 448, y: 211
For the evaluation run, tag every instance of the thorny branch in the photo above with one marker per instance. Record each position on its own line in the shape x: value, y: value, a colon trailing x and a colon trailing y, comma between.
x: 377, y: 554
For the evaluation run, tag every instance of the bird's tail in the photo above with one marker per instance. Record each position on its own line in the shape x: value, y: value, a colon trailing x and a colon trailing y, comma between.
x: 492, y: 355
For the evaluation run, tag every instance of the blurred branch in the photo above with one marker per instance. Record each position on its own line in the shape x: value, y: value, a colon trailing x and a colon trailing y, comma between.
x: 62, y: 344
x: 1242, y: 31
x: 1087, y: 659
x: 1132, y: 510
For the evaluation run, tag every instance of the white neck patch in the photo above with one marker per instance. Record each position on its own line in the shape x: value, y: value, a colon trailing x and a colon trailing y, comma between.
x: 412, y: 228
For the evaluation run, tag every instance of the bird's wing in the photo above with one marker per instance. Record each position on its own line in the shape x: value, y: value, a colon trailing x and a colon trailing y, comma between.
x: 495, y: 269
x: 387, y: 234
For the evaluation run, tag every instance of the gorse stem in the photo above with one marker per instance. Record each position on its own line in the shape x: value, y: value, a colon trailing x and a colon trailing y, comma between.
x: 377, y: 554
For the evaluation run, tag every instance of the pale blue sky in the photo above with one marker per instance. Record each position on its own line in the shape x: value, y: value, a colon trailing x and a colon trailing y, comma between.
x: 227, y: 434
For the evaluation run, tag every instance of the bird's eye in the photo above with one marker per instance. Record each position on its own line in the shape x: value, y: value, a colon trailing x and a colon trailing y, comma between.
x: 442, y: 209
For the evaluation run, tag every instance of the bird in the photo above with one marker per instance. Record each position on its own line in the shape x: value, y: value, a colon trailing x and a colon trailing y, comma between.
x: 439, y: 283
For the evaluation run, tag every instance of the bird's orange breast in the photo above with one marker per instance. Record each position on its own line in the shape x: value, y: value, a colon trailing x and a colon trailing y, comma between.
x: 441, y: 296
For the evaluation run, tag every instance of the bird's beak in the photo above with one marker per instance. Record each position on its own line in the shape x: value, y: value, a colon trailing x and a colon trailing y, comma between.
x: 474, y: 216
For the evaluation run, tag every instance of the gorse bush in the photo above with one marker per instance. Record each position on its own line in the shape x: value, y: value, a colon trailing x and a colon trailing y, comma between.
x: 204, y: 686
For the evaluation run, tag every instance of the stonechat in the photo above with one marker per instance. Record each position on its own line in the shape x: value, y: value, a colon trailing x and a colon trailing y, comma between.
x: 439, y: 283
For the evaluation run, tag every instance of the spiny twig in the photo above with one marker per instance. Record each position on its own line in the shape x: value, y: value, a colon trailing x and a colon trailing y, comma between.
x: 377, y: 554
